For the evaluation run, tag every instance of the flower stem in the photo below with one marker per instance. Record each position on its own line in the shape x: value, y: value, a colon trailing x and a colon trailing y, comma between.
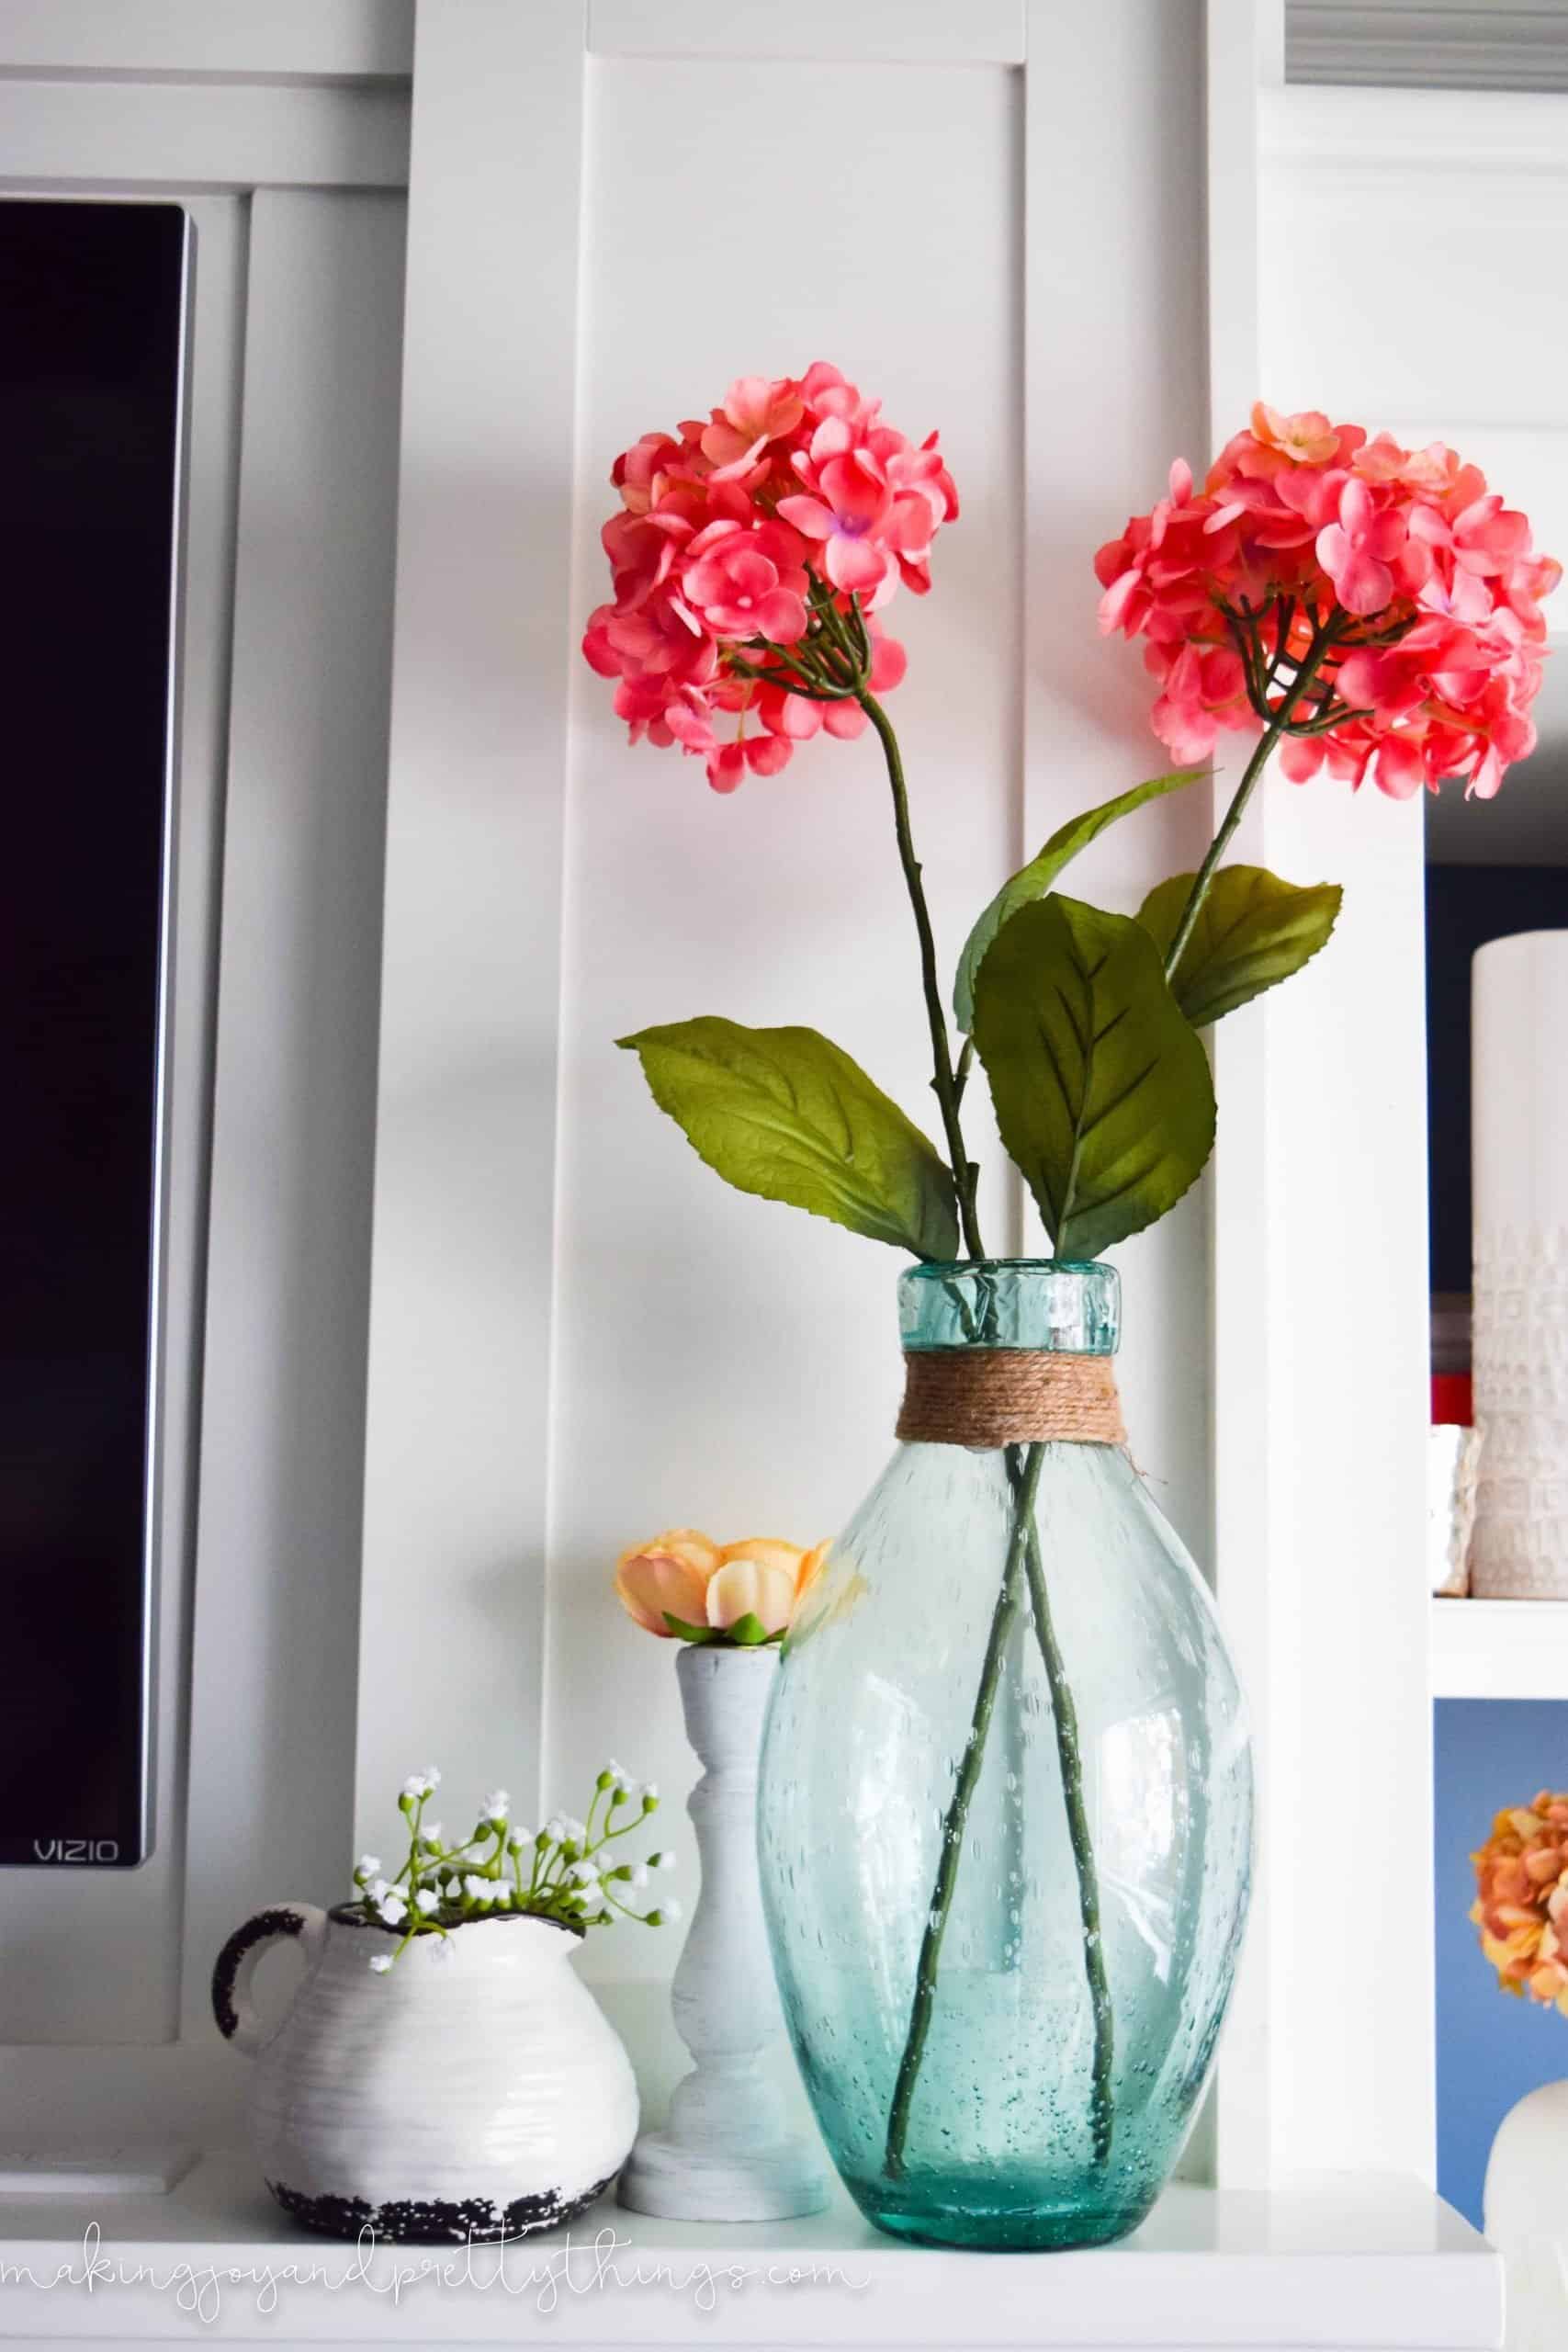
x: 1065, y: 1715
x: 942, y: 1080
x: 1217, y: 848
x: 1276, y: 723
x: 1023, y: 1466
x: 955, y: 1819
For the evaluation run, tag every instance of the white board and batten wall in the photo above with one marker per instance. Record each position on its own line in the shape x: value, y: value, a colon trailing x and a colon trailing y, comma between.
x: 1017, y: 250
x: 576, y: 1334
x: 711, y: 1359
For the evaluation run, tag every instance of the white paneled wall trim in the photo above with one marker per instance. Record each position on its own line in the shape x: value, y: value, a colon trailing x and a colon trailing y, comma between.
x: 913, y: 32
x: 343, y: 41
x: 277, y: 1595
x: 459, y: 1403
x: 110, y: 137
x: 1319, y: 1225
x: 577, y: 1334
x: 1241, y: 61
x: 111, y: 97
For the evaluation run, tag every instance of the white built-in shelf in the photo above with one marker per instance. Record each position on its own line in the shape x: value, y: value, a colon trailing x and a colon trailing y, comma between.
x: 1500, y: 1649
x: 1372, y: 2262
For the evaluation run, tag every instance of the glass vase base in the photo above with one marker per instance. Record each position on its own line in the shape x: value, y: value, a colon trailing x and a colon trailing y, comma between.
x: 1005, y: 1809
x: 997, y: 2215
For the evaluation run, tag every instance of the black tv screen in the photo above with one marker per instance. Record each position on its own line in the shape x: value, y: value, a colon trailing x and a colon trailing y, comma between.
x: 92, y: 308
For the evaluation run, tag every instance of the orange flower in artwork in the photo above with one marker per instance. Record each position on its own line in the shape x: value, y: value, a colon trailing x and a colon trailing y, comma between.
x: 1521, y: 1907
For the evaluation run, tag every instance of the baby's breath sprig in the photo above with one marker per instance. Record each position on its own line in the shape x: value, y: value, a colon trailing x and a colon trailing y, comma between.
x: 556, y: 1872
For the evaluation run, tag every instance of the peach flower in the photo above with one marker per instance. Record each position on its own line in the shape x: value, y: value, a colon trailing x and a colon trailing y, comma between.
x: 1309, y: 439
x: 757, y: 1579
x: 765, y: 1578
x: 670, y: 1574
x: 684, y: 1574
x: 756, y: 410
x: 811, y: 1567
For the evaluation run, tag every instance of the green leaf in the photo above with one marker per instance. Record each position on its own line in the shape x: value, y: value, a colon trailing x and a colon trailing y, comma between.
x: 783, y: 1113
x: 1252, y: 931
x: 1032, y: 881
x: 749, y: 1633
x: 689, y: 1633
x: 1101, y: 1089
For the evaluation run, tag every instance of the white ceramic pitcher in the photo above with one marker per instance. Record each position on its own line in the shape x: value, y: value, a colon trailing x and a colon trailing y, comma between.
x: 473, y: 2090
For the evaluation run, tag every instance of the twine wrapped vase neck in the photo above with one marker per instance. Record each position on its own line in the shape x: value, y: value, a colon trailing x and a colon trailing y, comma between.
x: 991, y: 1396
x: 1012, y: 1351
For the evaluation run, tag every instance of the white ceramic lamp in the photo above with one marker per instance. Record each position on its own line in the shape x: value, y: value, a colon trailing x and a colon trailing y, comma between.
x: 1519, y: 1165
x: 727, y: 2153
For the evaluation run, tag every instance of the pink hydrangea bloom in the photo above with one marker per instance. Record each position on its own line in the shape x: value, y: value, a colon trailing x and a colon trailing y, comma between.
x: 1359, y: 550
x: 724, y: 532
x: 743, y: 584
x: 1410, y: 588
x: 850, y: 514
x: 755, y: 413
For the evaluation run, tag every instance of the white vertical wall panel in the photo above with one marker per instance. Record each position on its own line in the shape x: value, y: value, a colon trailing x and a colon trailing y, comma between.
x: 725, y: 1361
x: 1114, y: 374
x: 1345, y: 1293
x: 272, y: 1716
x: 453, y: 1595
x: 1478, y: 183
x: 719, y: 1360
x: 1242, y: 62
x: 1320, y: 1279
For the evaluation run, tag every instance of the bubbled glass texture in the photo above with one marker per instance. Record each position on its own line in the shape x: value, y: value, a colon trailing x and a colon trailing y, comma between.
x: 868, y: 1726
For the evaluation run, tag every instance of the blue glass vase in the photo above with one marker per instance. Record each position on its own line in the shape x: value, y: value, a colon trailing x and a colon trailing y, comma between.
x: 1005, y: 1800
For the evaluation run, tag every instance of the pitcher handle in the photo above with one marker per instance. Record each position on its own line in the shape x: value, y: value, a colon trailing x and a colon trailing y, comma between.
x: 236, y: 1968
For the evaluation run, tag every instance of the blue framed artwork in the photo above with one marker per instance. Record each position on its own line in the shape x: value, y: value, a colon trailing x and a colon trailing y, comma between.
x: 1491, y: 2048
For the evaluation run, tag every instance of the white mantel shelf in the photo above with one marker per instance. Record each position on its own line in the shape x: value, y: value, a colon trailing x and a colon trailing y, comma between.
x: 1500, y: 1649
x: 1342, y: 2264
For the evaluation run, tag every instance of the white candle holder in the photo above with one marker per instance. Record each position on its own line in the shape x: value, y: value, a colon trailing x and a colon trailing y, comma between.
x: 727, y: 2153
x: 1518, y: 1150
